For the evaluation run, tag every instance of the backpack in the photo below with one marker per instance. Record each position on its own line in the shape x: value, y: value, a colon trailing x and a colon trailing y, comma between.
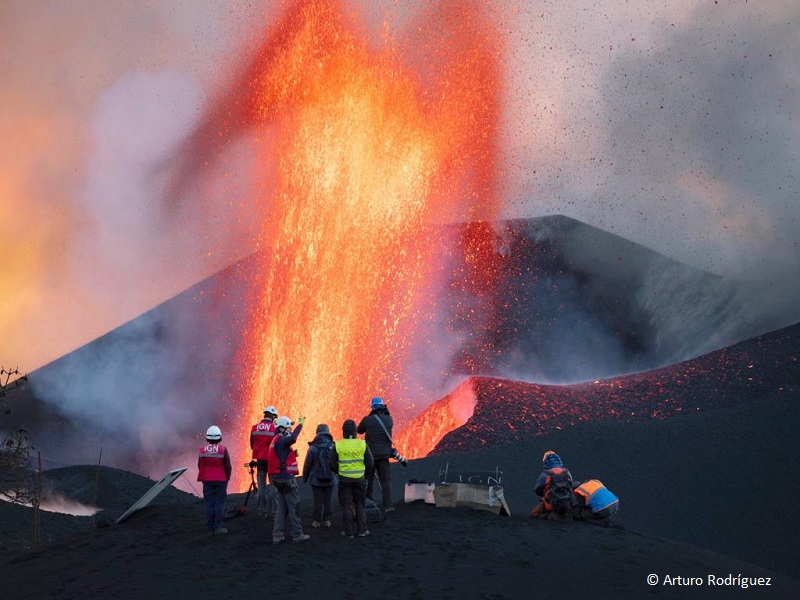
x: 558, y: 493
x: 323, y: 472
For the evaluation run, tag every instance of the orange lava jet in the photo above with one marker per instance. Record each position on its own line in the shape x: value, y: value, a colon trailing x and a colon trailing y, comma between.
x: 366, y: 151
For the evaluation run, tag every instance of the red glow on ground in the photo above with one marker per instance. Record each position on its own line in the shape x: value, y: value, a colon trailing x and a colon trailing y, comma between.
x: 506, y: 411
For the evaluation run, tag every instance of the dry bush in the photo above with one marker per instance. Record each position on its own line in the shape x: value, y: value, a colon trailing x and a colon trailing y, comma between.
x: 15, y: 475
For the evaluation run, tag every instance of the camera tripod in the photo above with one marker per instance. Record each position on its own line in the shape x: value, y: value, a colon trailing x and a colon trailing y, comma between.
x: 253, y: 487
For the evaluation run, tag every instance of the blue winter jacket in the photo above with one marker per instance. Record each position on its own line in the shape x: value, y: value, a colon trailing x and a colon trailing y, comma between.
x: 552, y: 461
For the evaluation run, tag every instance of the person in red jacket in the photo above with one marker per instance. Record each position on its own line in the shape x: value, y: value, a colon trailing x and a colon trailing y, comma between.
x: 261, y: 435
x: 283, y: 471
x: 214, y: 470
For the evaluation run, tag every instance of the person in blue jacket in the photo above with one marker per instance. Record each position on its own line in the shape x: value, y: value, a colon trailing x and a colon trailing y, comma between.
x: 554, y: 487
x: 596, y: 503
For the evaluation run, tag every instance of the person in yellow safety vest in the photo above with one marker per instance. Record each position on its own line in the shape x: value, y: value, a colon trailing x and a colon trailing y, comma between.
x: 595, y: 501
x: 351, y: 459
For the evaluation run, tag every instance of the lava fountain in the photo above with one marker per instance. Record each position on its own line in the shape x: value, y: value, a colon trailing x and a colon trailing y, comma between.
x: 370, y: 142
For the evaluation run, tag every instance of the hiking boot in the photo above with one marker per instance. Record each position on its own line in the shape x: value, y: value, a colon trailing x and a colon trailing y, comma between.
x: 220, y: 531
x: 326, y: 524
x: 315, y: 524
x: 302, y: 537
x: 364, y: 533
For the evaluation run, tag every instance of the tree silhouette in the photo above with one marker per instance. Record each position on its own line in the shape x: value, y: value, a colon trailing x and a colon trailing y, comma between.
x: 15, y: 476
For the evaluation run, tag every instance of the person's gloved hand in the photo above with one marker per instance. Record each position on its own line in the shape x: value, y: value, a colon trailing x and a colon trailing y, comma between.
x: 301, y: 420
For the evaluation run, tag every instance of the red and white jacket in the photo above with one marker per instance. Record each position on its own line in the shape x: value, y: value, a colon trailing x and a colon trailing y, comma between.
x: 274, y: 462
x: 211, y: 464
x: 261, y: 436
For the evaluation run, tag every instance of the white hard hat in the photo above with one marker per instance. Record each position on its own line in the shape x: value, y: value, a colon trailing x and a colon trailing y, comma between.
x: 271, y: 410
x: 284, y: 422
x: 213, y: 434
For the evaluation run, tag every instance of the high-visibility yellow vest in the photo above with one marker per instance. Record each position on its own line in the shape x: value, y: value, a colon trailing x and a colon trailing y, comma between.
x: 351, y: 458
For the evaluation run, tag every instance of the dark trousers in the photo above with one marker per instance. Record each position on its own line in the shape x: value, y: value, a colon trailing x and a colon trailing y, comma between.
x: 214, y: 494
x: 265, y: 497
x: 323, y: 508
x: 385, y: 479
x: 352, y: 494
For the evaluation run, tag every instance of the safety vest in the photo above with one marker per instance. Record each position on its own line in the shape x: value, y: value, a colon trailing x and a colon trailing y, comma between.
x: 596, y: 495
x: 351, y: 458
x: 263, y: 434
x: 274, y: 462
x: 211, y: 466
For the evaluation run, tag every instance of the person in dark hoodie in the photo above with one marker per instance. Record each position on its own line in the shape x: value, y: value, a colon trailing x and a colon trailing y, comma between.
x: 318, y: 473
x: 555, y: 488
x: 351, y: 458
x: 377, y: 430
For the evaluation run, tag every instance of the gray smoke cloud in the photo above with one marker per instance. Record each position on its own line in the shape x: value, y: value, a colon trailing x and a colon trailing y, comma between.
x: 673, y: 126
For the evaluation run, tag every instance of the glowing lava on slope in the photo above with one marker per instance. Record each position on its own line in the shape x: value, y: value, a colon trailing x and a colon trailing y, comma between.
x: 485, y: 411
x: 366, y: 151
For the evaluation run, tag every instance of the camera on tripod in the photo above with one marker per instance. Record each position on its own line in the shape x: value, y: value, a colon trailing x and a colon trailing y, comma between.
x: 399, y: 457
x: 251, y: 465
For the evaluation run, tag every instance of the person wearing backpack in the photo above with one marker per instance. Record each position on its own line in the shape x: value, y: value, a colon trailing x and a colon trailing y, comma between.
x: 554, y: 487
x: 317, y: 472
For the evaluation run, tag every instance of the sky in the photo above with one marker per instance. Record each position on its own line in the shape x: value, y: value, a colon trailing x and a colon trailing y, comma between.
x: 673, y: 124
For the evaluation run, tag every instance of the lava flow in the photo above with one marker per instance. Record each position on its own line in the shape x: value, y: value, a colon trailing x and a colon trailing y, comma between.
x: 486, y: 411
x: 366, y: 150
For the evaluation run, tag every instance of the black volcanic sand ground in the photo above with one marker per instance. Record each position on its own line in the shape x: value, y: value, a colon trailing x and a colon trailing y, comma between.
x: 726, y: 459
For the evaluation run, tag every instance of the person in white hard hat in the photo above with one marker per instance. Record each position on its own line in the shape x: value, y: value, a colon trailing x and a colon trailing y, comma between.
x: 214, y: 470
x: 283, y: 472
x: 261, y: 435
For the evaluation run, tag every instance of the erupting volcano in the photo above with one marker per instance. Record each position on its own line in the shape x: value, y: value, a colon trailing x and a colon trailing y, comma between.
x: 367, y: 151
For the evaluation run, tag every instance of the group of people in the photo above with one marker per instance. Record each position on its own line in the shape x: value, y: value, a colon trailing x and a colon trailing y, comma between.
x: 562, y: 498
x: 349, y: 464
x: 352, y: 465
